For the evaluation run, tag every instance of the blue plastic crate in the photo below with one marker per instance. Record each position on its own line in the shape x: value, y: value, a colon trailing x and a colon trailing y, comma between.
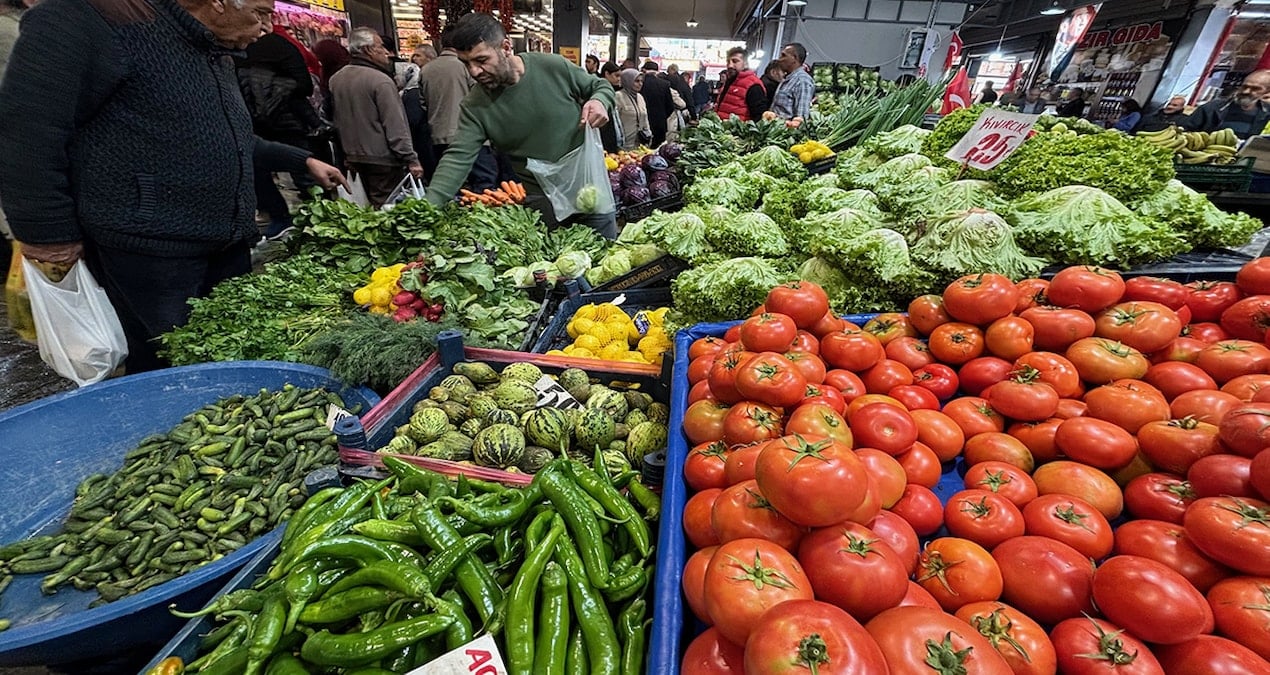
x: 54, y: 443
x: 556, y: 337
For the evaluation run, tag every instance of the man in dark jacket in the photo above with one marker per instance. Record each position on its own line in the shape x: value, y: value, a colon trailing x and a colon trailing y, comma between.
x: 657, y: 99
x: 679, y: 84
x: 700, y: 95
x: 1074, y: 106
x: 1244, y: 113
x: 1173, y: 112
x: 141, y: 165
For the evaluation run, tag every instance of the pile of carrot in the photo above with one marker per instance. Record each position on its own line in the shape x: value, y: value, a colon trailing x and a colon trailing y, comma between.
x: 509, y: 192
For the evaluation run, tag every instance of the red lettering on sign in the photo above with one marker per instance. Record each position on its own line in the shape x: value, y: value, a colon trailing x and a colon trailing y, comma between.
x: 479, y: 658
x: 1120, y: 36
x: 1143, y: 32
x: 1156, y: 29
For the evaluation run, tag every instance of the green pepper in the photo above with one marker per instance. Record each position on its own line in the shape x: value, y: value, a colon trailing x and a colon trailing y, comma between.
x: 474, y: 580
x: 327, y: 518
x: 359, y: 549
x: 630, y: 626
x: 301, y: 585
x: 357, y: 649
x: 410, y: 478
x: 511, y: 506
x: 646, y: 498
x: 538, y: 527
x: 286, y: 664
x: 442, y: 564
x: 408, y: 580
x: 389, y: 530
x: 552, y: 646
x: 519, y: 630
x: 603, y: 650
x: 265, y: 633
x: 575, y: 661
x: 615, y: 505
x: 244, y: 599
x: 569, y: 500
x: 348, y: 604
x: 460, y: 632
x: 300, y: 520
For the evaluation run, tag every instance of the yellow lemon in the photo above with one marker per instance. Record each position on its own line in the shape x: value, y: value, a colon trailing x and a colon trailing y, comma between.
x: 582, y: 353
x: 806, y: 157
x: 632, y: 333
x: 381, y: 274
x: 607, y: 310
x: 587, y: 342
x: 582, y: 326
x: 600, y: 332
x: 586, y: 311
x: 361, y: 296
x: 398, y: 268
x: 819, y: 153
x: 659, y: 316
x: 614, y: 351
x: 634, y: 357
x: 557, y: 352
x: 380, y: 297
x: 799, y: 148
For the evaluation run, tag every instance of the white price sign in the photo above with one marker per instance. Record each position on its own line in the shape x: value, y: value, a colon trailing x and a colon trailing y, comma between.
x: 478, y: 657
x: 995, y: 135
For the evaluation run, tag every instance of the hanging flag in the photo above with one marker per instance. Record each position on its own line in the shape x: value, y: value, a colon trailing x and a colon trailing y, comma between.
x: 957, y: 95
x: 954, y: 51
x: 1070, y: 32
x: 1015, y: 75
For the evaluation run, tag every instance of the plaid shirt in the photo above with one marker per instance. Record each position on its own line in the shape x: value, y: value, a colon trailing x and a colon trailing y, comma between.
x: 793, y: 96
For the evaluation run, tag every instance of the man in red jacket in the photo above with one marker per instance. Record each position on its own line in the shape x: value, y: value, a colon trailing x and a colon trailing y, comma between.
x: 742, y: 93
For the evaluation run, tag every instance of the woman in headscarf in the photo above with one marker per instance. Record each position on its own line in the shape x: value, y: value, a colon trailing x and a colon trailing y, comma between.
x: 631, y: 111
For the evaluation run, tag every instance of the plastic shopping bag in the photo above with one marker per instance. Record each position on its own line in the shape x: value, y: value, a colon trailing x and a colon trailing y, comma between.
x: 78, y: 331
x: 409, y: 188
x: 577, y: 182
x: 357, y: 194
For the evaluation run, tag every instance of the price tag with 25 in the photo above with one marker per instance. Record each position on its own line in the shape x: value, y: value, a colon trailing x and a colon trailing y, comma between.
x: 995, y: 135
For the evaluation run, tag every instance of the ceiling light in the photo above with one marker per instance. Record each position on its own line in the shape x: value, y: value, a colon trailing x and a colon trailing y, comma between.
x: 691, y: 23
x: 692, y: 20
x: 1053, y: 10
x: 796, y: 3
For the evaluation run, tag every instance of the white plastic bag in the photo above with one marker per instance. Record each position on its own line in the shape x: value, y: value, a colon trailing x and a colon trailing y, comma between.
x: 577, y: 182
x: 409, y: 188
x: 357, y: 194
x: 79, y: 333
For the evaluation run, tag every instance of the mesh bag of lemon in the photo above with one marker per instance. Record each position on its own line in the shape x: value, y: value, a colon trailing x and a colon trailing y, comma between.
x: 606, y: 331
x: 811, y: 151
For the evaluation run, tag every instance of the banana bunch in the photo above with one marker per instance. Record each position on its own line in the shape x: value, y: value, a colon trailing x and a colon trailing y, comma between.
x: 1195, y: 147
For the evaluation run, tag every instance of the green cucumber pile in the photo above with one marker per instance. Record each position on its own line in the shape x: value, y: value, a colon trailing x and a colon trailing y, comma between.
x: 226, y: 474
x: 386, y: 576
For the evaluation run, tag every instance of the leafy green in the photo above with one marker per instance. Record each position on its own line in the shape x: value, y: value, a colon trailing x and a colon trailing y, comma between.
x: 682, y: 234
x: 824, y: 200
x: 723, y: 191
x: 787, y: 205
x: 891, y: 174
x: 723, y: 290
x: 1083, y: 225
x: 905, y: 197
x: 840, y: 224
x: 375, y: 350
x: 852, y: 164
x: 879, y: 256
x: 950, y: 129
x: 973, y: 242
x: 1122, y: 166
x: 747, y: 234
x: 1045, y: 123
x: 775, y: 162
x: 902, y: 141
x: 1202, y: 224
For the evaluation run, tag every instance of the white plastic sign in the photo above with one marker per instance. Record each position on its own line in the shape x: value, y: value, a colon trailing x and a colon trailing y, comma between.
x: 552, y: 395
x: 995, y: 135
x: 334, y: 414
x: 478, y: 657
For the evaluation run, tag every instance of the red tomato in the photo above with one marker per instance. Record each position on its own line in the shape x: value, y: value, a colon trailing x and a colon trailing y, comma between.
x: 1151, y: 600
x: 1241, y: 609
x: 984, y: 517
x: 1056, y: 371
x: 711, y: 654
x: 696, y: 518
x: 829, y: 323
x: 1069, y: 408
x: 1167, y: 292
x: 1096, y: 442
x: 921, y: 465
x: 1247, y: 387
x: 977, y: 375
x: 804, y: 342
x: 1259, y: 474
x: 750, y: 422
x: 956, y: 343
x: 1210, y: 655
x: 884, y: 427
x: 1085, y: 287
x: 889, y: 326
x: 851, y: 567
x: 1229, y: 359
x: 1221, y: 475
x: 703, y: 468
x: 803, y: 301
x: 699, y: 368
x: 706, y: 346
x: 1038, y: 438
x: 846, y: 382
x: 1254, y: 277
x: 941, y: 380
x: 739, y: 466
x: 910, y: 351
x: 1206, y: 332
x: 1177, y: 444
x: 734, y: 601
x: 1174, y: 378
x: 808, y: 365
x: 921, y: 508
x: 1032, y: 293
x: 811, y: 419
x: 771, y: 379
x: 733, y: 334
x: 995, y: 446
x: 852, y: 350
x: 741, y: 511
x: 1020, y: 641
x: 1007, y: 480
x: 919, y: 597
x: 722, y: 377
x: 1045, y: 578
x: 1233, y: 531
x: 1145, y: 326
x: 909, y: 636
x: 1129, y: 404
x: 1208, y: 299
x: 939, y: 432
x: 1245, y: 429
x: 869, y: 399
x: 1023, y: 396
x: 980, y: 299
x: 1055, y: 328
x: 885, y: 376
x: 694, y: 581
x: 1009, y: 337
x: 1166, y: 543
x: 1069, y: 520
x: 806, y: 635
x: 1099, y: 360
x: 895, y: 532
x: 811, y: 480
x: 1158, y: 496
x: 1078, y: 480
x: 1076, y: 639
x: 974, y: 415
x: 823, y: 394
x: 1203, y: 405
x: 927, y: 312
x: 1184, y: 349
x: 700, y: 392
x: 887, y: 473
x: 914, y: 397
x: 1248, y: 318
x: 703, y: 421
x: 958, y: 571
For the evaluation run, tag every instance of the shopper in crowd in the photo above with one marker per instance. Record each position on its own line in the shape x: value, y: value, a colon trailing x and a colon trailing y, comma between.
x: 1007, y: 99
x: 680, y: 84
x: 742, y: 93
x: 1074, y: 106
x: 423, y: 55
x: 1244, y: 113
x: 371, y: 120
x: 1130, y: 116
x: 988, y: 94
x: 610, y: 133
x: 529, y: 105
x: 446, y: 82
x: 140, y: 166
x: 10, y: 14
x: 333, y: 56
x: 659, y: 96
x: 771, y: 79
x: 700, y: 95
x: 797, y: 89
x: 417, y: 109
x: 1033, y: 103
x: 1171, y: 113
x: 631, y: 110
x: 593, y: 65
x: 276, y: 85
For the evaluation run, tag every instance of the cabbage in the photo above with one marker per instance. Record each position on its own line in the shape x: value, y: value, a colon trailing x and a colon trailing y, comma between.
x: 573, y: 264
x: 1081, y: 225
x: 632, y: 175
x: 642, y: 254
x: 682, y: 234
x: 615, y: 264
x: 893, y: 172
x: 588, y: 199
x: 973, y: 242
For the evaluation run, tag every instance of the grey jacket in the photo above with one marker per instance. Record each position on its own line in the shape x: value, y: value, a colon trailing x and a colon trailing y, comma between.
x: 369, y: 116
x: 444, y: 83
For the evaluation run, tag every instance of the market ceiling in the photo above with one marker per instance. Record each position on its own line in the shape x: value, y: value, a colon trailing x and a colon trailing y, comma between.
x: 668, y: 18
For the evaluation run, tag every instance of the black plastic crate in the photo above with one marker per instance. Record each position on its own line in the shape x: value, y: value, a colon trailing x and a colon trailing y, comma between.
x: 557, y: 337
x: 655, y: 274
x: 638, y: 212
x: 822, y: 166
x: 1233, y: 177
x: 1201, y: 265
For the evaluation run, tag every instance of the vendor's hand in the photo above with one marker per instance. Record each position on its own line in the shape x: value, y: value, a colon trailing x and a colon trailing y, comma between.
x: 594, y: 114
x: 326, y: 175
x: 415, y: 169
x: 58, y: 254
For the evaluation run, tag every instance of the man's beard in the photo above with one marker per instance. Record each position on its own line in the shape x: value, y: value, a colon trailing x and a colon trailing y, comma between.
x: 502, y: 77
x: 1245, y: 100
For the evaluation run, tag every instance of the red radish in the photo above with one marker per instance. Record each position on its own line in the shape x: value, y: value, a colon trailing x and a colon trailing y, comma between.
x: 404, y: 314
x: 404, y: 299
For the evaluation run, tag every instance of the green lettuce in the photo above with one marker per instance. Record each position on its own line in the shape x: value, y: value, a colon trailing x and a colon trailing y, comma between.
x: 878, y: 256
x: 723, y: 191
x: 852, y: 164
x: 747, y: 234
x: 904, y: 197
x: 681, y: 234
x: 891, y: 144
x: 1122, y: 166
x: 1202, y: 224
x: 1083, y: 225
x: 840, y: 224
x: 775, y: 162
x: 724, y: 290
x: 826, y: 199
x: 973, y: 242
x: 892, y: 172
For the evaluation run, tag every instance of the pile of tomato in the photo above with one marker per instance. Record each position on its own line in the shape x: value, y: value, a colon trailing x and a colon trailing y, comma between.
x: 1107, y: 442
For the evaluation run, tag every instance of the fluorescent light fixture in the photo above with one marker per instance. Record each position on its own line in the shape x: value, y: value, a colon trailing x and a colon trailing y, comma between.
x: 1053, y: 10
x: 691, y: 23
x: 1253, y: 15
x: 692, y: 19
x: 796, y: 3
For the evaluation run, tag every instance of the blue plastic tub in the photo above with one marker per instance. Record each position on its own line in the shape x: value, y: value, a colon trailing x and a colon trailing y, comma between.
x: 52, y: 444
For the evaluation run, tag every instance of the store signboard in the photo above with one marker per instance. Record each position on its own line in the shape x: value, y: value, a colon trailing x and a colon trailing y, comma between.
x: 1070, y: 34
x: 1143, y: 32
x: 995, y: 135
x: 572, y: 54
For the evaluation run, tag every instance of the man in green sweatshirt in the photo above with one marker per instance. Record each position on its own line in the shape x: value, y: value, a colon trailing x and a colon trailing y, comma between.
x: 528, y: 106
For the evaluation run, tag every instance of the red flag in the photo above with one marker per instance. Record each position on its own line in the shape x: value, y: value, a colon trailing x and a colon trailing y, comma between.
x: 954, y: 51
x: 957, y: 95
x: 1015, y: 75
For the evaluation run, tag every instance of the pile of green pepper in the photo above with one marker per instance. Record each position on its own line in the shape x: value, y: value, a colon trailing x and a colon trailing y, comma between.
x: 382, y: 577
x: 226, y: 474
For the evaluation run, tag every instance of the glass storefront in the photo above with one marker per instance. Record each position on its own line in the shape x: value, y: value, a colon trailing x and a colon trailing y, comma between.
x: 1246, y: 48
x: 312, y: 23
x: 533, y: 25
x: 601, y: 29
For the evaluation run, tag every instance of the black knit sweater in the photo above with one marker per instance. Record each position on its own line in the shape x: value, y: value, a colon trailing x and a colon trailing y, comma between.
x: 121, y: 122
